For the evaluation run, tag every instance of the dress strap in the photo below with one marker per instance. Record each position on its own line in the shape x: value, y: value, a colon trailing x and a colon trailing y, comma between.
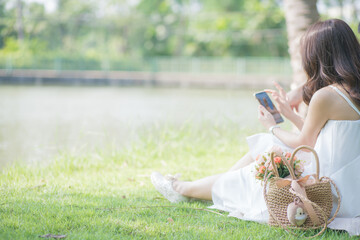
x: 346, y: 99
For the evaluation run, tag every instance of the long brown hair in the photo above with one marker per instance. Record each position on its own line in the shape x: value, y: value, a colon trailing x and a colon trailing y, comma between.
x: 331, y: 54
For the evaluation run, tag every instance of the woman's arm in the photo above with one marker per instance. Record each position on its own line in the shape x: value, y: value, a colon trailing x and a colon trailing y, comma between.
x: 295, y: 97
x: 318, y: 114
x: 297, y: 121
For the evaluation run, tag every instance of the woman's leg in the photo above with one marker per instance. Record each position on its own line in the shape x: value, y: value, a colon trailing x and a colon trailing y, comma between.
x: 243, y: 162
x: 201, y: 188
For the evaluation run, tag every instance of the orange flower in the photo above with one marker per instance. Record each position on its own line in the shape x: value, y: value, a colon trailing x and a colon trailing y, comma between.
x: 288, y: 155
x: 277, y: 159
x: 262, y: 169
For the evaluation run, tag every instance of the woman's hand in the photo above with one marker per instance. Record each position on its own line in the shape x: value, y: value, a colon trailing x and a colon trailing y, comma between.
x: 282, y: 101
x: 265, y: 117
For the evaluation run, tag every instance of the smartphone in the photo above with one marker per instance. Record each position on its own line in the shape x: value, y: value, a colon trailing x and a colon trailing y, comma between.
x: 265, y: 100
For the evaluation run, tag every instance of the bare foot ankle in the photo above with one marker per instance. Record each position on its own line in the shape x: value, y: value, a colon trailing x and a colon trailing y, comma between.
x: 180, y: 187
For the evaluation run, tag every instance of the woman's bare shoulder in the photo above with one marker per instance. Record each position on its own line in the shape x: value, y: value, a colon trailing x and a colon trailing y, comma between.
x: 331, y: 104
x: 324, y: 96
x: 326, y: 103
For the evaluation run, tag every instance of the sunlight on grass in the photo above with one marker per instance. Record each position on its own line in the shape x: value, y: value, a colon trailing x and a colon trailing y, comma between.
x: 107, y: 194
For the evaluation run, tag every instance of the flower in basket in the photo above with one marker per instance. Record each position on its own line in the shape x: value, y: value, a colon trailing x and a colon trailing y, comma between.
x: 263, y: 164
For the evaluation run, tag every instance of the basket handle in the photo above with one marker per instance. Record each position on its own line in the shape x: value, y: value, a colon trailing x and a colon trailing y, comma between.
x: 291, y: 170
x: 288, y: 165
x: 316, y: 159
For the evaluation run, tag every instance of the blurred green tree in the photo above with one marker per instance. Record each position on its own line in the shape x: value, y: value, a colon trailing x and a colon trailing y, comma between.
x: 100, y: 30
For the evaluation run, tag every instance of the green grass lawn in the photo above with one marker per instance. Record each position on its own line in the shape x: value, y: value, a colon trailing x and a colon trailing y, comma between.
x: 107, y: 194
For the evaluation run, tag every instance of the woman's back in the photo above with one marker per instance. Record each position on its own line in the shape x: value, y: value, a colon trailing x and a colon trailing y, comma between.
x: 338, y: 147
x: 341, y: 106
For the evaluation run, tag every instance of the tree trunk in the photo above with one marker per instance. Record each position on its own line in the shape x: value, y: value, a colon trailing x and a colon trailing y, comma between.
x: 19, y: 20
x: 354, y: 12
x: 299, y: 14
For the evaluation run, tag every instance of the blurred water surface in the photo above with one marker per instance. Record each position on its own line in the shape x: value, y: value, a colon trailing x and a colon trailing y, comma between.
x: 36, y: 123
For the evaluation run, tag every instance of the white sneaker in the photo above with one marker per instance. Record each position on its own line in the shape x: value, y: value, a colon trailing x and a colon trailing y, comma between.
x: 164, y: 186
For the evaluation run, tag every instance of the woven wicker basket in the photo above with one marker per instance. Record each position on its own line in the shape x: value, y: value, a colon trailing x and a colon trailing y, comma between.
x: 318, y: 196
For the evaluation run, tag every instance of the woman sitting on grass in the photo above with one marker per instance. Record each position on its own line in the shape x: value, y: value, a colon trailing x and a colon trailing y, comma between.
x: 331, y: 58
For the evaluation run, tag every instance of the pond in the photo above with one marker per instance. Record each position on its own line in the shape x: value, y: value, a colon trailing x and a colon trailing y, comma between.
x: 37, y: 123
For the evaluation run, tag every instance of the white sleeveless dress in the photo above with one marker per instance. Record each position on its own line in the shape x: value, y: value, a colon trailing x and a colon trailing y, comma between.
x: 338, y: 147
